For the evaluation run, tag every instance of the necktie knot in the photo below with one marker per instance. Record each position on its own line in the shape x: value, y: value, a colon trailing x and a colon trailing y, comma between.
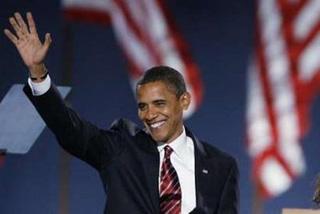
x: 167, y: 152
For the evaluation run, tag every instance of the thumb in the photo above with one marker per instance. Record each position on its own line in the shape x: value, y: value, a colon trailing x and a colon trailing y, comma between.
x: 47, y: 41
x: 43, y: 51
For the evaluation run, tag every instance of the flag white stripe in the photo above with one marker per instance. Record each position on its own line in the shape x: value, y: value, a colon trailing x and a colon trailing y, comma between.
x: 135, y: 49
x: 148, y: 42
x: 309, y: 62
x: 259, y: 132
x: 274, y: 177
x: 281, y: 87
x: 307, y: 19
x: 97, y: 5
x: 138, y: 13
x: 287, y: 54
x: 159, y: 34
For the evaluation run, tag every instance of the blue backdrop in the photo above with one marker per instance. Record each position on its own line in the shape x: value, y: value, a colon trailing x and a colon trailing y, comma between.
x: 220, y: 35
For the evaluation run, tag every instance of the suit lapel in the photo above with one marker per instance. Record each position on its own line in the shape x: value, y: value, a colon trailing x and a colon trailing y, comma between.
x: 152, y: 168
x: 205, y: 174
x: 204, y: 178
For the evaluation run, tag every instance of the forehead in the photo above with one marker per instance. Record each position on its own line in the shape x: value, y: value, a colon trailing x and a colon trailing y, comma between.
x: 154, y: 90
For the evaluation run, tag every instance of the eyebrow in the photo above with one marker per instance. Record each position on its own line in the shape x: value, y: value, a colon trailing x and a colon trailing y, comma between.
x: 159, y: 100
x: 153, y: 101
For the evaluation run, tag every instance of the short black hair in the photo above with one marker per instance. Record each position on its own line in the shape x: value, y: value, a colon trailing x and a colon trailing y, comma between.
x: 171, y: 77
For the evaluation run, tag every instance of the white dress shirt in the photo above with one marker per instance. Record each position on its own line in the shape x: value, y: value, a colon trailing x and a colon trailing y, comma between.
x: 39, y: 88
x: 182, y: 159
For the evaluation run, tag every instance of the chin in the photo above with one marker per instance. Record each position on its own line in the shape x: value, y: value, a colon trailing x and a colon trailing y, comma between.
x: 158, y: 138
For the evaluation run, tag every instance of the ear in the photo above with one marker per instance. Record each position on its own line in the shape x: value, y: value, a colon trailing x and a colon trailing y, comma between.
x: 185, y: 100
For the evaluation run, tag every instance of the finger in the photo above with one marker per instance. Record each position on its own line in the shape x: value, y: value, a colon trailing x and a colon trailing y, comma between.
x: 11, y: 36
x: 21, y: 22
x: 16, y: 27
x: 46, y: 44
x: 47, y: 40
x: 31, y: 23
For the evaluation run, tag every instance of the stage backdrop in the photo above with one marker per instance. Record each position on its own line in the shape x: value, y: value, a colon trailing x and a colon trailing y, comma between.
x: 220, y: 37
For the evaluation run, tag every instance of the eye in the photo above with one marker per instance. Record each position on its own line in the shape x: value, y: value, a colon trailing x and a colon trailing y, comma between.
x: 160, y: 103
x: 142, y: 106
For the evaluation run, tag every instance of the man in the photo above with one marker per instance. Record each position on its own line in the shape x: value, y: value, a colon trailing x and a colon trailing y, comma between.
x: 161, y: 169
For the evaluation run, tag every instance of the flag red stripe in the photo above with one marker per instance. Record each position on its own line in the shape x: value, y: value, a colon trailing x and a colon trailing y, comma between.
x: 263, y: 73
x: 192, y: 71
x: 284, y: 42
x: 144, y: 45
x: 141, y: 34
x: 86, y: 15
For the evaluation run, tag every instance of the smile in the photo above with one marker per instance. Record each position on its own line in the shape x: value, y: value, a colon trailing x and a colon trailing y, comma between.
x: 156, y: 124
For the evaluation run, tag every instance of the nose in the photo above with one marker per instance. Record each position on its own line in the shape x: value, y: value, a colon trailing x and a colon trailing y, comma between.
x: 151, y: 114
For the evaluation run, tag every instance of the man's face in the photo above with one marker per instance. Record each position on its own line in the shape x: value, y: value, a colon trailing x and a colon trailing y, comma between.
x: 161, y: 111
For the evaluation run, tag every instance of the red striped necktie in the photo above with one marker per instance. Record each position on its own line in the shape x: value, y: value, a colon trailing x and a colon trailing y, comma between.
x: 170, y: 191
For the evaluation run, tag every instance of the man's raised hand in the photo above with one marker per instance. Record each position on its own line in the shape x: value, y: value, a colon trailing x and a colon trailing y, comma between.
x: 27, y: 42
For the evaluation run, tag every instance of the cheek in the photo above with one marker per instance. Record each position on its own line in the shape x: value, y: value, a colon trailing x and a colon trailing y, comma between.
x: 176, y: 116
x: 177, y: 112
x: 140, y: 115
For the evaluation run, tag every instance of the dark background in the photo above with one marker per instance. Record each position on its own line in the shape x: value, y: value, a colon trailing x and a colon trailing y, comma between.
x: 220, y: 35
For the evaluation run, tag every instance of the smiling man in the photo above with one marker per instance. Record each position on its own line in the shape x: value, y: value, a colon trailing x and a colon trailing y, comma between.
x: 163, y: 168
x: 162, y: 98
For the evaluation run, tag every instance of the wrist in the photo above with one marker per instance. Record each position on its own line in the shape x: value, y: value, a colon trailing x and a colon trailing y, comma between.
x: 39, y: 78
x: 38, y: 73
x: 37, y: 70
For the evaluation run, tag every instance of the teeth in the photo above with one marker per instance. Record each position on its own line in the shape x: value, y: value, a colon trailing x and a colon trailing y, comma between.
x: 157, y: 124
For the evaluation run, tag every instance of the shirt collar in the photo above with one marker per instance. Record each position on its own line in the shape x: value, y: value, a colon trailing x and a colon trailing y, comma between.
x: 177, y: 144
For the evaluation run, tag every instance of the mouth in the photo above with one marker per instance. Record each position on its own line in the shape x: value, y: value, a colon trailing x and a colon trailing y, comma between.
x: 156, y: 125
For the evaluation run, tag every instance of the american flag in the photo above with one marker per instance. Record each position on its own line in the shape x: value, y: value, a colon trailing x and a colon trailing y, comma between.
x: 283, y: 79
x: 147, y: 34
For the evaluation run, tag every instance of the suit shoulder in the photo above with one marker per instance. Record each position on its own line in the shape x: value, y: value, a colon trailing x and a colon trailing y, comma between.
x: 125, y: 125
x: 214, y: 152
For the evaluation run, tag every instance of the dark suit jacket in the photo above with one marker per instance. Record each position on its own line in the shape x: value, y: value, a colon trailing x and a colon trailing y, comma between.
x: 127, y: 160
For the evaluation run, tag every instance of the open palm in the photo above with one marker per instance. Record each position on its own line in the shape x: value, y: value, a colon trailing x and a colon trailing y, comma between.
x: 27, y: 41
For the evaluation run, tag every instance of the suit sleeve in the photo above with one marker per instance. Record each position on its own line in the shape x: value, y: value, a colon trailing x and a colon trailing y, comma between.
x: 79, y: 137
x: 229, y: 203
